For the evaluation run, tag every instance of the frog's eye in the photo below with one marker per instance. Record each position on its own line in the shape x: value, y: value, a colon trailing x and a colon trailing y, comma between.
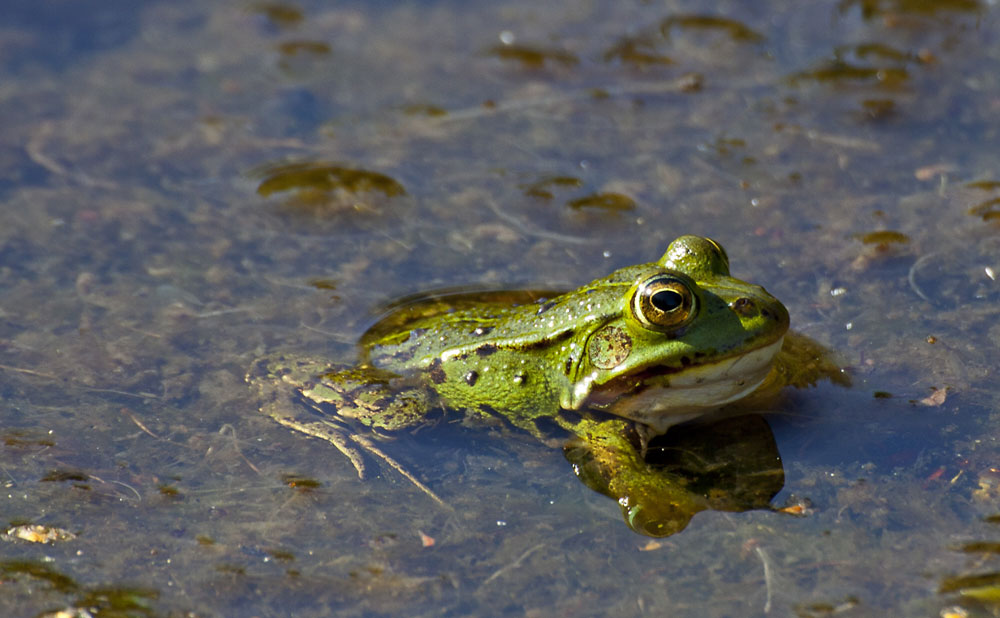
x: 663, y: 303
x: 722, y: 252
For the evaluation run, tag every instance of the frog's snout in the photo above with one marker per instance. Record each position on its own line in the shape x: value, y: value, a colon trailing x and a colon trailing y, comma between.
x: 745, y: 307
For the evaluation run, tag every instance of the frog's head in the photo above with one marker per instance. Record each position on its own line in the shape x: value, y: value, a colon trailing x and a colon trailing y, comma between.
x: 685, y: 337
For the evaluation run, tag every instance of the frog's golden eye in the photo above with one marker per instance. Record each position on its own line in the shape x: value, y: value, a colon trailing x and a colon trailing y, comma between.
x: 663, y: 303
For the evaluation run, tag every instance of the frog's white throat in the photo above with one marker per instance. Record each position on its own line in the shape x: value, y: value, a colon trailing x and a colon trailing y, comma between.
x: 666, y: 400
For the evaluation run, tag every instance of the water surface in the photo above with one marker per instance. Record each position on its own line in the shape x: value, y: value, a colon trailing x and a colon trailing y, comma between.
x: 186, y: 186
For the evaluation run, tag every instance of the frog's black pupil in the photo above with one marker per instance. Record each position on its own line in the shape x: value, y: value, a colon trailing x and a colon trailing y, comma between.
x: 666, y: 300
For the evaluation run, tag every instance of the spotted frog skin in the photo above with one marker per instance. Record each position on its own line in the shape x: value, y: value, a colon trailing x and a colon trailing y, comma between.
x: 653, y: 345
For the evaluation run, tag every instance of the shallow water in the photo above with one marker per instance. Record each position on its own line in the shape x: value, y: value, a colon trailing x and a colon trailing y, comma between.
x: 186, y: 186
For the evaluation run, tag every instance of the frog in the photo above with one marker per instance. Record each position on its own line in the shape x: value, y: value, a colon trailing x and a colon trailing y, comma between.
x: 615, y: 362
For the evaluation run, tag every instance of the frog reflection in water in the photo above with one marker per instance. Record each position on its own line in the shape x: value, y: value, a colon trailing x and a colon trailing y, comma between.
x: 615, y: 362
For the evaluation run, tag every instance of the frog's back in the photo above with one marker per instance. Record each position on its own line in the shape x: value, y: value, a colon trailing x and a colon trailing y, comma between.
x: 482, y: 329
x: 520, y: 355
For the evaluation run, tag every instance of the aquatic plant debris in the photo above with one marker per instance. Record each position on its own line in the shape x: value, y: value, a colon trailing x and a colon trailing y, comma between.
x: 34, y: 533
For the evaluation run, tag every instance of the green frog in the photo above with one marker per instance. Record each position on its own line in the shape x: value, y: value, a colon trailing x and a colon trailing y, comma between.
x: 614, y: 362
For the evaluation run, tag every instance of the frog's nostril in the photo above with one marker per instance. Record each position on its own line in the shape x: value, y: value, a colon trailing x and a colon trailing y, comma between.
x: 744, y: 307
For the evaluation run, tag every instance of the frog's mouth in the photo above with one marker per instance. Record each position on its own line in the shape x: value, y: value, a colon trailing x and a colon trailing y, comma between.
x: 661, y: 396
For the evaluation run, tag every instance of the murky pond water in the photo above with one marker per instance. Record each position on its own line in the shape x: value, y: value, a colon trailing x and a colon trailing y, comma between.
x: 187, y: 186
